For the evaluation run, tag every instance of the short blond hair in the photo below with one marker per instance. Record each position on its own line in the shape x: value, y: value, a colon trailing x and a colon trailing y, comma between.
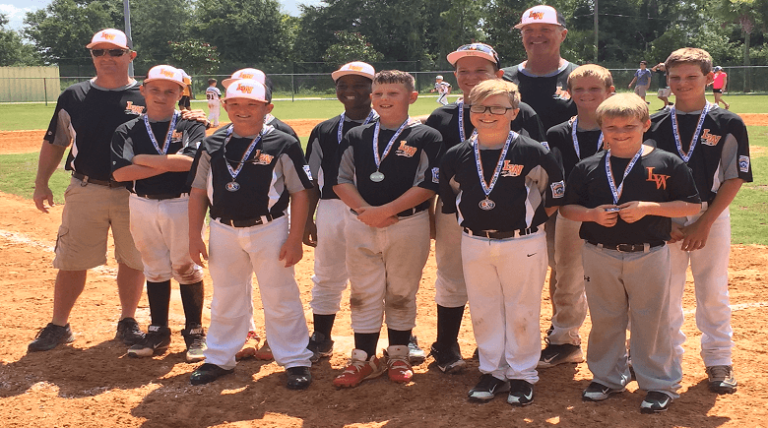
x: 395, y: 77
x: 693, y: 56
x: 492, y: 87
x: 591, y: 70
x: 623, y: 105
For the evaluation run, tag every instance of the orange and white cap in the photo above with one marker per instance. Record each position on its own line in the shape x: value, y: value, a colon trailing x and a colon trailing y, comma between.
x: 541, y: 14
x: 248, y: 88
x: 109, y: 36
x: 165, y: 72
x: 246, y: 73
x: 357, y: 68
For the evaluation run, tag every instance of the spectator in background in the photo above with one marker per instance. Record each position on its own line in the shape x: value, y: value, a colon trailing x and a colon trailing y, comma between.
x: 186, y: 94
x: 642, y: 80
x: 718, y: 86
x: 661, y: 72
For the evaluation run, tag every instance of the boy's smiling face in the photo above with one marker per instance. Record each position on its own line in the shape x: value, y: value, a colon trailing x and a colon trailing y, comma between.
x: 489, y: 122
x: 246, y: 112
x: 354, y: 91
x: 624, y: 135
x: 589, y: 91
x: 391, y: 101
x: 688, y: 82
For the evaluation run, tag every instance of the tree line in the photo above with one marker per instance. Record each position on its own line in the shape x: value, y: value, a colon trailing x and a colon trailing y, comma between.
x: 219, y: 36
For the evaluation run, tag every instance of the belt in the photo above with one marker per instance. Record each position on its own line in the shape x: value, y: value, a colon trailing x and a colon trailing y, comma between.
x: 628, y: 248
x: 249, y: 221
x: 163, y: 196
x: 86, y: 180
x: 495, y: 234
x: 407, y: 213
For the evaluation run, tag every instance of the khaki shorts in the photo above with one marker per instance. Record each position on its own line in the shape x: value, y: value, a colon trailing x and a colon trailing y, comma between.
x: 89, y: 212
x: 640, y: 90
x: 664, y: 92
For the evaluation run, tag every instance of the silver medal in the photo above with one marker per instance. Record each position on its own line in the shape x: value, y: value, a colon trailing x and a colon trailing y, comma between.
x: 487, y: 204
x: 233, y: 186
x: 377, y: 177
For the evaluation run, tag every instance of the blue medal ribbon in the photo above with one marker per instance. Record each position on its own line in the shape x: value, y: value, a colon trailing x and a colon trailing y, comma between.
x: 488, y: 187
x: 168, y: 136
x: 686, y: 156
x: 617, y: 191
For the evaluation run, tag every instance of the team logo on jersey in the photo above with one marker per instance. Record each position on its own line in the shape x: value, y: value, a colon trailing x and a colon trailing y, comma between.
x: 709, y: 139
x: 261, y: 158
x: 545, y: 144
x: 536, y: 15
x: 130, y: 108
x: 307, y: 171
x: 244, y: 88
x: 744, y: 164
x: 405, y: 150
x: 177, y: 136
x: 562, y: 94
x: 659, y: 179
x: 558, y: 189
x: 511, y: 169
x: 435, y: 175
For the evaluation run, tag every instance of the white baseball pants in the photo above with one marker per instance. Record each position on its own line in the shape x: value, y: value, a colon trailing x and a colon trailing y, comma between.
x: 443, y: 99
x: 214, y: 110
x: 160, y: 230
x: 234, y: 255
x: 385, y: 266
x: 709, y: 267
x: 569, y: 299
x: 450, y: 288
x: 330, y: 278
x: 504, y: 283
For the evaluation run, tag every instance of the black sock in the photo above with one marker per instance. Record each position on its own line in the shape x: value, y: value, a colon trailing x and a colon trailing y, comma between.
x: 399, y: 337
x: 159, y: 295
x: 367, y: 342
x: 192, y: 300
x: 324, y: 324
x: 448, y: 325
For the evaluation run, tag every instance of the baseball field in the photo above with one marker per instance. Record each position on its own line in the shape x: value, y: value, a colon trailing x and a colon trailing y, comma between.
x: 92, y: 383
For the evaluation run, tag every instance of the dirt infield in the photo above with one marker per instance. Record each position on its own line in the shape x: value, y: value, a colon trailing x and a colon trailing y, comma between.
x: 92, y: 383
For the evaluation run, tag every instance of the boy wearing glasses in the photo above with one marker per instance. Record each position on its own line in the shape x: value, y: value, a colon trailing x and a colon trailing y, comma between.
x: 502, y: 187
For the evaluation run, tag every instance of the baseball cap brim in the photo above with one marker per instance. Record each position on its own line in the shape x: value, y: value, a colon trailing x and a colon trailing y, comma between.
x: 168, y: 79
x: 338, y: 74
x: 455, y: 56
x: 104, y: 42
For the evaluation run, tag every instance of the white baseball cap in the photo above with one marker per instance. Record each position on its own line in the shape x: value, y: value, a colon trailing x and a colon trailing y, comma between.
x: 248, y: 88
x: 246, y: 73
x: 165, y: 72
x: 110, y: 36
x: 438, y: 77
x: 357, y: 68
x: 541, y: 14
x: 480, y: 50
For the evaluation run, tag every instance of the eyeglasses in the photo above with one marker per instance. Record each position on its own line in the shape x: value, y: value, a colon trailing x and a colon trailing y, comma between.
x: 482, y: 47
x: 480, y: 109
x: 111, y: 52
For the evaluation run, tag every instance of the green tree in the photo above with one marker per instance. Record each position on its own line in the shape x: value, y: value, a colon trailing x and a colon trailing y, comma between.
x: 459, y: 25
x: 748, y: 18
x: 195, y: 57
x: 351, y: 47
x: 13, y: 51
x: 153, y: 24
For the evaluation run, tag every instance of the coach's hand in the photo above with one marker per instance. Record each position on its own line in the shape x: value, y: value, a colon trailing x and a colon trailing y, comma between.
x: 196, y: 249
x: 41, y: 195
x: 291, y: 252
x: 198, y: 115
x: 695, y: 236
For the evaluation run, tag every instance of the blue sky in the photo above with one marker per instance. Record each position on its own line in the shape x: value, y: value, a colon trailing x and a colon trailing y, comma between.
x: 15, y: 10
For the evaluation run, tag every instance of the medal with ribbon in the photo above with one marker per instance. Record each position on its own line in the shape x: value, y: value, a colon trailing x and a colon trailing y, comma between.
x: 574, y: 124
x: 340, y: 128
x: 617, y: 191
x: 686, y: 156
x: 234, y: 186
x: 378, y: 175
x: 488, y: 204
x: 167, y: 143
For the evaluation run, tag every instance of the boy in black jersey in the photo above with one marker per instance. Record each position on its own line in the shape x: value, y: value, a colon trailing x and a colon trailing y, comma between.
x: 155, y: 152
x: 502, y: 186
x: 387, y: 177
x: 353, y: 89
x: 625, y: 198
x: 714, y: 144
x: 247, y: 173
x: 571, y: 141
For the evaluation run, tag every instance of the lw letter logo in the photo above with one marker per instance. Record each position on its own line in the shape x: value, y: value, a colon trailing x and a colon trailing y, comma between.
x: 536, y: 15
x: 134, y: 109
x: 107, y: 36
x: 167, y: 73
x: 709, y: 139
x: 511, y: 170
x: 244, y: 89
x: 406, y: 150
x: 246, y: 76
x: 659, y: 179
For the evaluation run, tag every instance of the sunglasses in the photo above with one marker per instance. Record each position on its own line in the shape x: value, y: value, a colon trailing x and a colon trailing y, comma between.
x: 479, y: 109
x: 481, y: 47
x: 111, y: 52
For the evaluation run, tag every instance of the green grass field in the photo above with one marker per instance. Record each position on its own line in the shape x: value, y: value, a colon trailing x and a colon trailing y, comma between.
x: 749, y: 210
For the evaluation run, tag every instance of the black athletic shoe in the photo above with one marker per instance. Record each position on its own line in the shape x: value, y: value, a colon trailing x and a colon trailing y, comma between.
x: 207, y: 373
x: 416, y: 355
x: 448, y: 360
x: 50, y: 337
x: 156, y: 341
x: 553, y: 355
x: 298, y: 377
x: 129, y: 332
x: 321, y: 346
x: 487, y: 388
x: 655, y: 402
x: 194, y: 337
x: 599, y: 392
x: 520, y: 393
x: 721, y: 379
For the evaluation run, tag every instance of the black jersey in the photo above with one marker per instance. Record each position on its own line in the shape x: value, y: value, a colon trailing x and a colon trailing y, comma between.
x: 546, y: 94
x: 662, y: 78
x: 530, y: 180
x: 89, y: 115
x: 560, y: 139
x: 131, y: 139
x: 321, y: 151
x: 446, y: 120
x: 413, y: 161
x: 656, y: 177
x: 722, y: 152
x: 280, y: 126
x: 273, y: 170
